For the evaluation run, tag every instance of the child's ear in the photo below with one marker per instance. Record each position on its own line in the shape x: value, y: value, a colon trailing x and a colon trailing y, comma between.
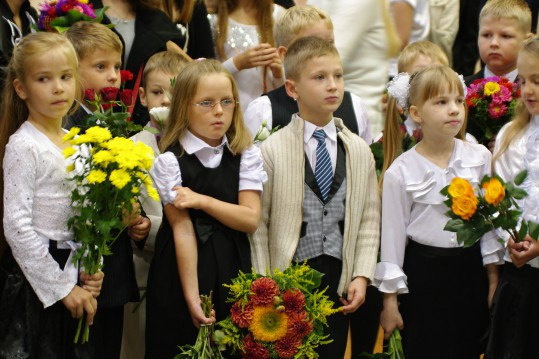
x: 414, y: 114
x: 529, y: 35
x: 281, y: 50
x: 290, y: 87
x: 142, y: 94
x: 19, y: 89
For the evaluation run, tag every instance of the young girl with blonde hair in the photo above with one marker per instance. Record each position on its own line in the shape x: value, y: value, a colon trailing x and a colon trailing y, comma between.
x: 244, y: 42
x: 442, y: 287
x: 38, y: 279
x: 515, y: 311
x: 210, y: 178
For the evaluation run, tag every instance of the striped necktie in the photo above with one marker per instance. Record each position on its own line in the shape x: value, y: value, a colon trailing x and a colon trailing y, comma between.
x: 323, y: 172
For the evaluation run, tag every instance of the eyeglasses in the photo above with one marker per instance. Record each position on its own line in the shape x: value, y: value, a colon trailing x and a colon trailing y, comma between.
x: 208, y: 105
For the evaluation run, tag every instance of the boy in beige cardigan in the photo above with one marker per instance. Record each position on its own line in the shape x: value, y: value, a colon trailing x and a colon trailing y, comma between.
x: 334, y: 228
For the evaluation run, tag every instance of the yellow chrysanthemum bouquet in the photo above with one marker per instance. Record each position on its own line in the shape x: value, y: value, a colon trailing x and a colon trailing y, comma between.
x: 493, y: 206
x: 108, y: 172
x: 277, y: 316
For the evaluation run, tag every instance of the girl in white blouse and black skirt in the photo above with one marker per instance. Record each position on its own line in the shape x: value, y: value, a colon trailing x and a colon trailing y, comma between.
x: 442, y: 288
x: 515, y: 309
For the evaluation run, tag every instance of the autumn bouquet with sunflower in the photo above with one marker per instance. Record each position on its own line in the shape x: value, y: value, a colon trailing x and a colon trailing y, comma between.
x: 277, y: 316
x: 493, y: 206
x: 108, y: 172
x: 491, y: 103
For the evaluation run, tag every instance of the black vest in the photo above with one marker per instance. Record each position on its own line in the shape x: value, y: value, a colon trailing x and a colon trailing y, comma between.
x: 284, y: 106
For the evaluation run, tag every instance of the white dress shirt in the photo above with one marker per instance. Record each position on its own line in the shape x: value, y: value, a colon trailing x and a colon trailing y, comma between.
x: 511, y: 76
x: 522, y: 153
x: 166, y: 170
x: 37, y: 206
x: 260, y: 110
x: 412, y: 207
x: 310, y: 143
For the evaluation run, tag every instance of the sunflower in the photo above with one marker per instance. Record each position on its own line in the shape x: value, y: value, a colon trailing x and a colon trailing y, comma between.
x: 268, y: 324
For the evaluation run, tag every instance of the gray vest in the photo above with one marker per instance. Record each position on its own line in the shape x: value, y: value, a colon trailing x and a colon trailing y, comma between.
x: 323, y: 223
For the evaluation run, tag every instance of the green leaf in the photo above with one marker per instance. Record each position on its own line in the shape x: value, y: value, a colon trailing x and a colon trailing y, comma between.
x: 444, y: 191
x: 522, y: 231
x: 73, y: 16
x: 519, y: 193
x: 520, y: 177
x: 454, y: 225
x: 533, y: 230
x: 467, y: 237
x: 61, y: 21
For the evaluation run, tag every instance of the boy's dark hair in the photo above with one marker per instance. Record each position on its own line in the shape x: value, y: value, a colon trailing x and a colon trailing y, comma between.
x: 89, y: 36
x: 303, y: 50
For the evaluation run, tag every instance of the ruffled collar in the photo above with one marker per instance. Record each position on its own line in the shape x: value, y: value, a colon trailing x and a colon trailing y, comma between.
x: 192, y: 144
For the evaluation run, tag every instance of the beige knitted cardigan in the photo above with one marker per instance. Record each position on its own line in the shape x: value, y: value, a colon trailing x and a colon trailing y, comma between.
x: 275, y: 241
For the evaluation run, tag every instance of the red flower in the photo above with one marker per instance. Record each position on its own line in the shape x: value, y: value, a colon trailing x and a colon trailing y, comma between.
x: 126, y: 96
x: 470, y: 100
x: 287, y: 347
x: 263, y: 289
x: 402, y: 127
x: 417, y: 135
x: 293, y: 301
x: 477, y: 81
x: 52, y: 12
x: 105, y: 106
x: 109, y: 93
x: 253, y: 349
x: 89, y: 94
x: 66, y: 7
x: 299, y: 325
x: 241, y: 318
x: 126, y: 75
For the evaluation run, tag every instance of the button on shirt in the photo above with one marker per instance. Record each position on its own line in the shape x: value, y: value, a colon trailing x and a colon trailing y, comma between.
x: 310, y: 142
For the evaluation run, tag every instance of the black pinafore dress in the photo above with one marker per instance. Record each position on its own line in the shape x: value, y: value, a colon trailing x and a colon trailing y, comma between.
x: 222, y: 252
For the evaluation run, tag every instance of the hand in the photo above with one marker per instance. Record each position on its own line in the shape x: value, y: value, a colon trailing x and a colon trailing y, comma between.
x: 522, y: 252
x: 139, y: 230
x: 259, y: 55
x: 186, y: 198
x: 276, y: 67
x: 197, y: 315
x: 79, y: 301
x: 355, y: 296
x: 390, y: 318
x: 92, y: 283
x: 132, y: 218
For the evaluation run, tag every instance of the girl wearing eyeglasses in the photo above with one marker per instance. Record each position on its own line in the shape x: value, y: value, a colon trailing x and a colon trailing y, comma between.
x: 210, y: 178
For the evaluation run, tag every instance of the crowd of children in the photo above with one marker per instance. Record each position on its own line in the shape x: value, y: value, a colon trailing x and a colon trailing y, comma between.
x: 308, y: 193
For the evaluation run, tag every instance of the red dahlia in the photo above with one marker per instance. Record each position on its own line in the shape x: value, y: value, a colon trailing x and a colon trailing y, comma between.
x: 287, y: 347
x: 299, y: 325
x: 293, y: 301
x: 263, y: 289
x: 241, y: 318
x: 254, y: 350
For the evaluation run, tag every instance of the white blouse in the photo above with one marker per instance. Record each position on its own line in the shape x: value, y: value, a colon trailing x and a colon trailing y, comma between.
x: 241, y: 37
x: 522, y: 153
x: 166, y: 170
x: 37, y: 206
x: 412, y: 207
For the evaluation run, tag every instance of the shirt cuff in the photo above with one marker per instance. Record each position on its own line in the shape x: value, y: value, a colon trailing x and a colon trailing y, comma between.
x: 492, y: 249
x: 230, y: 66
x: 389, y: 278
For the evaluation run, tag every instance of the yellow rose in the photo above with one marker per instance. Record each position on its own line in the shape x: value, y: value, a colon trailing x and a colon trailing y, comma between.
x: 464, y: 206
x: 491, y: 88
x: 459, y: 187
x: 494, y: 191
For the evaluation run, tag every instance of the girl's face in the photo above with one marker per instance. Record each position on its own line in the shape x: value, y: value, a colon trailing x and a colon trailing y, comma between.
x: 528, y: 72
x: 212, y: 108
x: 441, y: 116
x: 49, y: 86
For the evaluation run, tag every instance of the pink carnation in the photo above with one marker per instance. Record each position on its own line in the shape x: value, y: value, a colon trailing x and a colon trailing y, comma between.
x: 503, y: 95
x: 497, y: 110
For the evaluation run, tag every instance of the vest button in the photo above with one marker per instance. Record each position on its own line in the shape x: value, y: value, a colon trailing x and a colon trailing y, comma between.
x: 325, y: 212
x: 324, y: 239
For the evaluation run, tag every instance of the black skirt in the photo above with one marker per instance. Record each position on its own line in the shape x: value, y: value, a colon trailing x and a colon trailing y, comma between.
x: 27, y: 330
x: 515, y: 315
x: 445, y: 313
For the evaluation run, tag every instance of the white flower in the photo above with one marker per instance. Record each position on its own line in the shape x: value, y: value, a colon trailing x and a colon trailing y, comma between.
x: 160, y: 115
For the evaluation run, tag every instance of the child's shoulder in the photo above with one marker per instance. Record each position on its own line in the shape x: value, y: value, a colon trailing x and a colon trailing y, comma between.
x: 472, y: 153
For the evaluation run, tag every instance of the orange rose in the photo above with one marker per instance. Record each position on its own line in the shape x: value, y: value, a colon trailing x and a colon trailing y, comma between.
x: 464, y: 206
x: 460, y: 187
x: 494, y: 191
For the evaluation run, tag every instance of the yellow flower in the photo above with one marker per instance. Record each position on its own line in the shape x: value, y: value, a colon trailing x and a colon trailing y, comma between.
x: 98, y: 134
x: 103, y: 157
x: 119, y: 178
x: 494, y: 191
x: 119, y: 144
x: 152, y: 193
x: 68, y: 152
x: 268, y: 324
x: 70, y: 168
x: 83, y: 1
x: 459, y: 187
x: 145, y: 155
x: 135, y: 190
x: 464, y: 206
x: 72, y: 133
x: 491, y: 88
x: 126, y: 160
x: 79, y: 140
x: 96, y: 176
